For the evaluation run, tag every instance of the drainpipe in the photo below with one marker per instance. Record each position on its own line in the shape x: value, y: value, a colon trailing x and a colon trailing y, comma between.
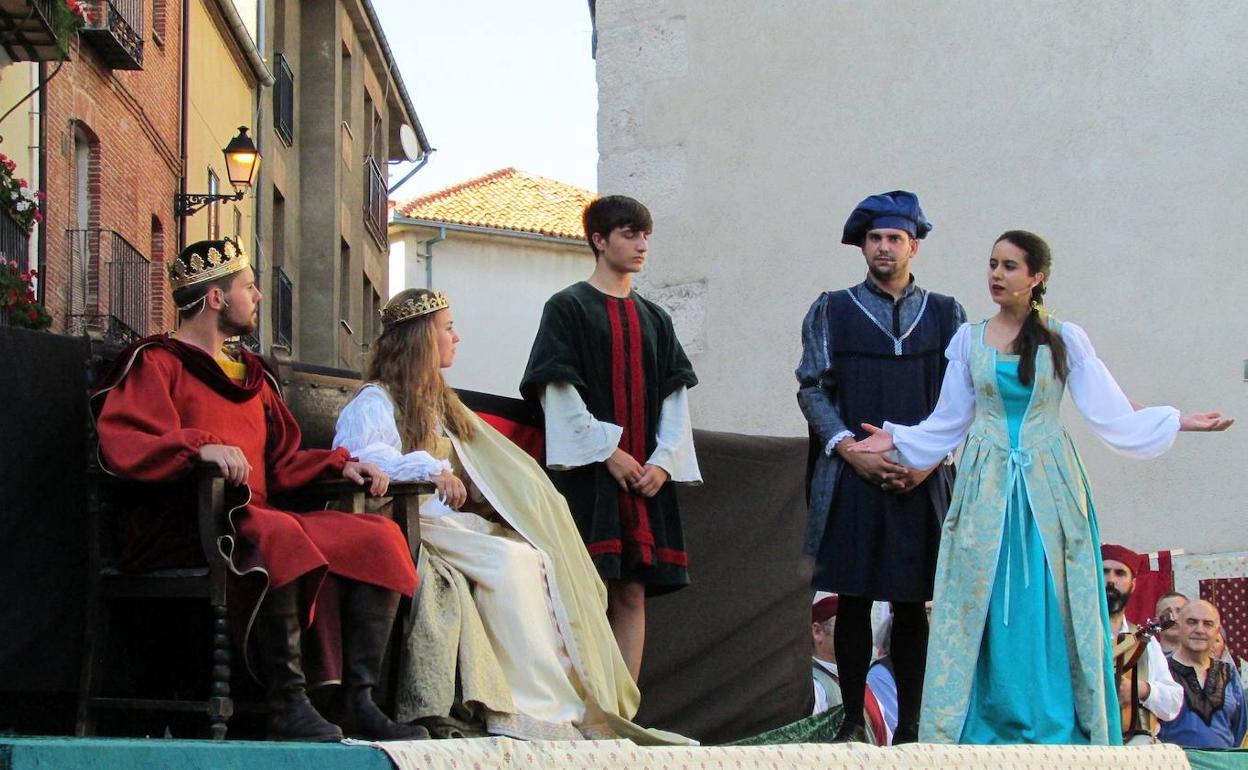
x: 183, y: 134
x: 42, y: 248
x: 428, y: 255
x: 411, y: 173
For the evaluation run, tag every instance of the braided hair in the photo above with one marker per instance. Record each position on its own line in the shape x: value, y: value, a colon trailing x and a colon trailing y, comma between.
x: 1035, y: 332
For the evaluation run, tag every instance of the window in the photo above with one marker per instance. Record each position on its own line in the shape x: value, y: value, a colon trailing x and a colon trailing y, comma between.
x: 279, y: 227
x: 344, y: 283
x: 369, y: 124
x: 284, y: 99
x: 347, y: 345
x: 279, y: 25
x: 376, y: 201
x: 346, y: 86
x: 157, y: 253
x: 84, y: 245
x: 371, y: 305
x: 283, y: 310
x: 159, y: 12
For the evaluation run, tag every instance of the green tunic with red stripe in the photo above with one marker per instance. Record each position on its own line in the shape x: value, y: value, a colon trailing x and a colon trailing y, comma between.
x: 623, y: 357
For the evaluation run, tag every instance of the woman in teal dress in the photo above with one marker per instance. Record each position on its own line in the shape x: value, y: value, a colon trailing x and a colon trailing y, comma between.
x: 1019, y: 625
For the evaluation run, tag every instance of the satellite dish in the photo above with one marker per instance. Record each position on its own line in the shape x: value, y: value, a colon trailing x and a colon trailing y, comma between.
x: 411, y: 145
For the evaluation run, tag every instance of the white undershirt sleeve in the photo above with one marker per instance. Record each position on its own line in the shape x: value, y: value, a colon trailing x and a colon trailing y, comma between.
x: 1165, y: 696
x: 573, y: 437
x: 366, y: 428
x: 674, y: 451
x: 930, y: 442
x: 1139, y: 433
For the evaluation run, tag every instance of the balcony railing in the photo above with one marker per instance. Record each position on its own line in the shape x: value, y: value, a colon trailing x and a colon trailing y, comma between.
x: 284, y: 99
x: 283, y: 310
x: 14, y: 240
x: 115, y: 30
x: 126, y: 283
x: 26, y: 31
x: 375, y: 200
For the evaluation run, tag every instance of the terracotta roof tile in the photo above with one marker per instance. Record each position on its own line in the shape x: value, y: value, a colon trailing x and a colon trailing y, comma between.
x: 506, y: 199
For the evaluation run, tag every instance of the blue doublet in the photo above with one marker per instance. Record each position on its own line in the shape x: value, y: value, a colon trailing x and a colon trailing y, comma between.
x: 868, y: 542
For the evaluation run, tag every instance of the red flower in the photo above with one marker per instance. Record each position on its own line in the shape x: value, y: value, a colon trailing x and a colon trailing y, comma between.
x: 10, y: 165
x: 33, y: 315
x: 38, y: 217
x: 34, y: 272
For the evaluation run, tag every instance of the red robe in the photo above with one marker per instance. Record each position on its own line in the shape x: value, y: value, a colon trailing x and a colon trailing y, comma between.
x: 166, y: 399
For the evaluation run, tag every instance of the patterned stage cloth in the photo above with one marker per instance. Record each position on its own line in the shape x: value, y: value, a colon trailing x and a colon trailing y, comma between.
x: 489, y: 753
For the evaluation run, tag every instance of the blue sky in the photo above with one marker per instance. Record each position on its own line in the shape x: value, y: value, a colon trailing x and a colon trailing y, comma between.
x: 497, y: 83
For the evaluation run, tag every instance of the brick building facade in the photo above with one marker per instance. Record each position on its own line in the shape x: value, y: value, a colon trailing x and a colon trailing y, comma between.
x: 111, y: 148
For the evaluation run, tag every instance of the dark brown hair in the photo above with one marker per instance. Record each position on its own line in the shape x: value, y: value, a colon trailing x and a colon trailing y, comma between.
x: 188, y: 298
x: 1035, y: 331
x: 603, y: 215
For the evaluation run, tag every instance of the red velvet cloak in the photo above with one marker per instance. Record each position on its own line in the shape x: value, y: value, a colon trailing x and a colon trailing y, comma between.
x: 166, y: 399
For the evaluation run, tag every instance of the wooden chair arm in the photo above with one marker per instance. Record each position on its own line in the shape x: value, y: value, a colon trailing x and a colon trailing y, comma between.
x: 210, y: 509
x: 340, y: 493
x: 405, y: 508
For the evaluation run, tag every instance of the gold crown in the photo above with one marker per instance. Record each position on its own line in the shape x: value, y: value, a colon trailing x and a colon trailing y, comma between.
x: 413, y: 307
x: 191, y: 267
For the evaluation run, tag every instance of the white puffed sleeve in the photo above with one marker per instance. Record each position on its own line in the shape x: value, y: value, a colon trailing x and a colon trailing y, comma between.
x: 1142, y: 433
x: 926, y: 444
x: 367, y: 429
x: 673, y: 451
x: 573, y: 437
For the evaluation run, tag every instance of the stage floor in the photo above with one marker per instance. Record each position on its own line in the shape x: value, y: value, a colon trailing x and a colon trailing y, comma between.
x: 31, y: 753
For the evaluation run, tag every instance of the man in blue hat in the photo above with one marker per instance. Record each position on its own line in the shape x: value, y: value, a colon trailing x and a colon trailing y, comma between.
x: 872, y: 352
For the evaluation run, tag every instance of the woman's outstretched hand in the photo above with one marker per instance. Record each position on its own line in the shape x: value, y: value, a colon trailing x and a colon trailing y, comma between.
x: 1205, y: 422
x: 878, y: 442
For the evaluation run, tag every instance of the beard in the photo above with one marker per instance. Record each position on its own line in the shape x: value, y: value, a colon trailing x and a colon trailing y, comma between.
x: 1116, y: 599
x: 883, y: 274
x: 230, y: 326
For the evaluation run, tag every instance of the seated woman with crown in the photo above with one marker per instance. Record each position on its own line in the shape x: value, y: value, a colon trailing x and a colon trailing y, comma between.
x: 510, y: 628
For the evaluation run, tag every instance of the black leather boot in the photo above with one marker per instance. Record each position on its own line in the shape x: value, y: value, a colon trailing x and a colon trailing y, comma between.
x: 367, y: 617
x: 907, y: 732
x: 851, y: 732
x: 291, y: 716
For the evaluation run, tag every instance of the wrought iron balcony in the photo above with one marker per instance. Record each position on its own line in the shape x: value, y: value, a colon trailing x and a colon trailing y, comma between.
x: 27, y: 32
x: 126, y: 283
x: 115, y: 31
x: 14, y: 240
x: 376, y: 199
x: 284, y: 99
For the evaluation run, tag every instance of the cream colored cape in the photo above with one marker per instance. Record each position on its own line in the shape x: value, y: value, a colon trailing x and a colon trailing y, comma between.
x: 519, y: 490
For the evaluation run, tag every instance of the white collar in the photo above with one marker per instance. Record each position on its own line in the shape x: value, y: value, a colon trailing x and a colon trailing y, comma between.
x: 831, y: 668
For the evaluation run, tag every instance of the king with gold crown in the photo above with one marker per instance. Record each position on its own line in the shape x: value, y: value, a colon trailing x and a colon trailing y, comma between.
x: 177, y: 401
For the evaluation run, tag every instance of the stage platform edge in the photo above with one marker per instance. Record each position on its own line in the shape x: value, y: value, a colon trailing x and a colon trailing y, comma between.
x: 36, y: 753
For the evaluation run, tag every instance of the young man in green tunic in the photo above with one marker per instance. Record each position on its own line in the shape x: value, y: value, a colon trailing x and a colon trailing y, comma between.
x: 611, y: 378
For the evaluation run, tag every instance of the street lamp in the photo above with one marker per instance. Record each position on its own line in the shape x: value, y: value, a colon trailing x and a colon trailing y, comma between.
x: 241, y: 161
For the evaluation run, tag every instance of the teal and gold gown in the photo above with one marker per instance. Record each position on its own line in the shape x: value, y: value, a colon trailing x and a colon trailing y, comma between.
x: 1019, y: 649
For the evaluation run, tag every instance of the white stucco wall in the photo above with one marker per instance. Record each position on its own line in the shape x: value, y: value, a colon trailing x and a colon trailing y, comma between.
x: 1114, y: 129
x: 497, y: 286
